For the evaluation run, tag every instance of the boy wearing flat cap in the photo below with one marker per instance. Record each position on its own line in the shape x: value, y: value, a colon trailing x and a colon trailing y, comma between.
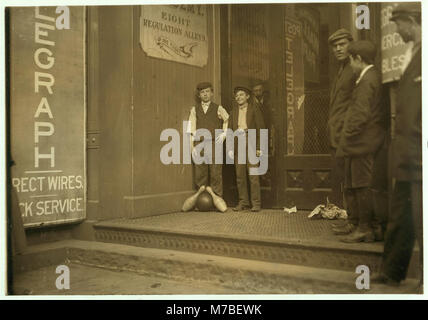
x: 246, y: 115
x: 340, y: 96
x: 405, y: 217
x: 208, y: 115
x: 361, y: 138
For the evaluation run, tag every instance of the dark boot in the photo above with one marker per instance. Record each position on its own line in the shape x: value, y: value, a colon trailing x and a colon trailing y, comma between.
x: 346, y: 229
x: 360, y: 235
x: 364, y: 232
x: 352, y: 209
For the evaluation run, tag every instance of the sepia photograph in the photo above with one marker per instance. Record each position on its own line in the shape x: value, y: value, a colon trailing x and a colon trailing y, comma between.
x: 213, y: 149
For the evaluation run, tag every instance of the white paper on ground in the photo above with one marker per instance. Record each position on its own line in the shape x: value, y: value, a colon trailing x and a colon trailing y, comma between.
x: 291, y: 210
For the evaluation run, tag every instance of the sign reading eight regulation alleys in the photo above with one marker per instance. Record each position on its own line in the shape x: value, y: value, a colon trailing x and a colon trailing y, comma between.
x: 175, y: 32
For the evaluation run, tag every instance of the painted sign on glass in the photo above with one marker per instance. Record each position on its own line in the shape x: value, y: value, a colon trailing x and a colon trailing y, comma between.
x: 294, y: 79
x: 310, y: 19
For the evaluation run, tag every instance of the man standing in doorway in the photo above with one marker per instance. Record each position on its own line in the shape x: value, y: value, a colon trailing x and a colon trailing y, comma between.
x: 405, y: 217
x: 340, y: 97
x: 261, y: 99
x: 244, y: 116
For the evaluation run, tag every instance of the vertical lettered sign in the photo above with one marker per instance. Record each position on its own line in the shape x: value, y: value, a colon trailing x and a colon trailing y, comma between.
x: 393, y: 47
x: 294, y: 86
x: 47, y: 83
x: 310, y: 19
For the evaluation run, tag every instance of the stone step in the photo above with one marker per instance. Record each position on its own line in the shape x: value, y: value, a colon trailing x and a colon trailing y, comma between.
x: 239, y: 275
x: 311, y: 253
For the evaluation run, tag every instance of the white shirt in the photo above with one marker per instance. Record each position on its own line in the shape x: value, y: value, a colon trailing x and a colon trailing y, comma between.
x: 363, y: 73
x: 205, y: 106
x: 242, y: 118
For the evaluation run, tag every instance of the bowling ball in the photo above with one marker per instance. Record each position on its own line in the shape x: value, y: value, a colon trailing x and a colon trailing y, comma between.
x: 205, y: 202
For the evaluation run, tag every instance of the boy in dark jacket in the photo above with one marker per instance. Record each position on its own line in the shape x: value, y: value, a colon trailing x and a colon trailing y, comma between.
x: 246, y: 116
x: 361, y: 138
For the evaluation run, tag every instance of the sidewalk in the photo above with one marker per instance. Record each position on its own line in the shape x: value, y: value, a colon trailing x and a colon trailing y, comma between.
x: 86, y: 280
x: 109, y: 269
x: 269, y: 252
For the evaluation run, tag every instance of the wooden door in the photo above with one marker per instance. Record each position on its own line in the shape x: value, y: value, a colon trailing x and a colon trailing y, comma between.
x: 246, y: 62
x: 270, y: 42
x: 306, y: 165
x: 306, y: 162
x: 307, y: 170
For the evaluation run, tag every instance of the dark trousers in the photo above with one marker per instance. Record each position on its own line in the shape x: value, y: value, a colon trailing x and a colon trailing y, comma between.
x: 242, y: 185
x: 380, y: 208
x: 357, y: 181
x: 337, y: 178
x: 359, y: 207
x: 404, y: 225
x: 380, y: 186
x: 210, y: 175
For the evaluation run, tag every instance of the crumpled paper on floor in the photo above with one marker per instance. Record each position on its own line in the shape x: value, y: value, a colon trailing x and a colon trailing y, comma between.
x: 329, y: 211
x: 291, y: 210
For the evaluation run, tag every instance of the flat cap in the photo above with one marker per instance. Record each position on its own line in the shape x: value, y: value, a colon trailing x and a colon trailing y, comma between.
x: 257, y: 82
x: 241, y: 88
x: 340, y: 34
x: 364, y: 48
x: 203, y: 85
x: 406, y: 9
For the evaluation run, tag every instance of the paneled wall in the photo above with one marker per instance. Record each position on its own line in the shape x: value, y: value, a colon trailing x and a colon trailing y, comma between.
x: 134, y: 98
x: 109, y: 111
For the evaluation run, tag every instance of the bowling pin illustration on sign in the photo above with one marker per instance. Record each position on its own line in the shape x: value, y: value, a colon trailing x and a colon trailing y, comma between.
x: 190, y: 202
x: 218, y: 201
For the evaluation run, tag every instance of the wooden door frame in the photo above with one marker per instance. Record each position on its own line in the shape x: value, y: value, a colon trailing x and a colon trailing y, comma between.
x: 276, y: 14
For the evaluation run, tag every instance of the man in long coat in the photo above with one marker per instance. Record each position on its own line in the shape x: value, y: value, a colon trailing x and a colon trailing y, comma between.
x: 405, y: 218
x: 340, y: 97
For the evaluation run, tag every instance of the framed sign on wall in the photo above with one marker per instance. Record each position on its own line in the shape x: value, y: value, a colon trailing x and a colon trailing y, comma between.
x: 175, y: 32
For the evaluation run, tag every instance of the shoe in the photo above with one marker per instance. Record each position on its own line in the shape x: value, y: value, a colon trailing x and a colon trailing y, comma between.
x: 241, y: 207
x: 255, y: 209
x: 359, y: 236
x: 384, y: 279
x: 346, y: 229
x: 378, y: 233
